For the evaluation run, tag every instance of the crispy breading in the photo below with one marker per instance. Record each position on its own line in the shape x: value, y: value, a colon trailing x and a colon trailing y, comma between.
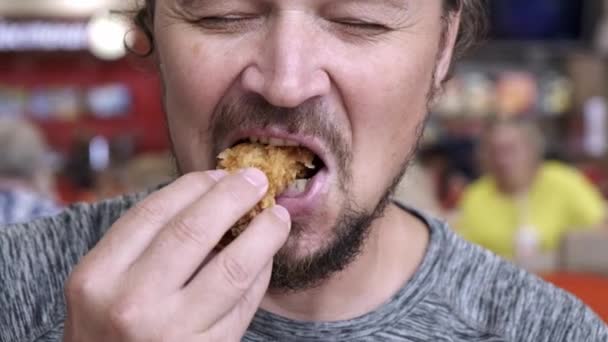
x: 282, y: 165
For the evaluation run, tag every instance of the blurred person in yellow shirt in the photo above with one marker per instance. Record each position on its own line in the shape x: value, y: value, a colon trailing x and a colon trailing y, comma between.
x: 523, y: 206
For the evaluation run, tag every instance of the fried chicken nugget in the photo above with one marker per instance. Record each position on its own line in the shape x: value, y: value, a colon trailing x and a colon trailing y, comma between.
x: 282, y: 165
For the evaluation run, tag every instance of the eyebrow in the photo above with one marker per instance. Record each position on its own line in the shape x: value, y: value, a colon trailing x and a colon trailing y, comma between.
x: 185, y: 3
x: 191, y: 3
x: 396, y: 4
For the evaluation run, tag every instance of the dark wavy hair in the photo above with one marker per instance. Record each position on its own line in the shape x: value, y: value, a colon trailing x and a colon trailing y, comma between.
x: 473, y: 22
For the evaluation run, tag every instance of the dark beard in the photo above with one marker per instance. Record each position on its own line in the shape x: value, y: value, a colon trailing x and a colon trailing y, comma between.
x: 350, y: 234
x: 352, y: 226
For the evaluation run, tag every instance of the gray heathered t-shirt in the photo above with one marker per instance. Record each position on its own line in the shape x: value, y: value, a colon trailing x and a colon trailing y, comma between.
x: 459, y: 293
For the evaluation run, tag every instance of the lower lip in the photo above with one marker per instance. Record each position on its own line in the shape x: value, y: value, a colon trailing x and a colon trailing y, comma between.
x: 306, y: 202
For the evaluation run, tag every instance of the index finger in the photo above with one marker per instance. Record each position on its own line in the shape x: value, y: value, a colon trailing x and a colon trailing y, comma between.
x: 180, y: 248
x: 134, y: 231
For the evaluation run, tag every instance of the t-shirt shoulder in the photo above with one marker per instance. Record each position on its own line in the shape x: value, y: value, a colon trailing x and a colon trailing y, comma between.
x: 495, y: 297
x: 558, y: 169
x: 36, y: 259
x: 561, y: 176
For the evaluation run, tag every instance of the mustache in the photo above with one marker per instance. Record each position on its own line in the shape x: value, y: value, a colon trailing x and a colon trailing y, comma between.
x: 312, y: 118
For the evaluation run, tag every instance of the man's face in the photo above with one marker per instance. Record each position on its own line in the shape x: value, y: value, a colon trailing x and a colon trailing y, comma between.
x: 349, y: 79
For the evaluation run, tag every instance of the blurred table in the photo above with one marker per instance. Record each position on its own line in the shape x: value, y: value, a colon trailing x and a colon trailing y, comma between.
x: 591, y: 289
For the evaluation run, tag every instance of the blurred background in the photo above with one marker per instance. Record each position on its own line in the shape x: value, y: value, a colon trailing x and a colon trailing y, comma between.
x: 514, y: 155
x: 64, y: 68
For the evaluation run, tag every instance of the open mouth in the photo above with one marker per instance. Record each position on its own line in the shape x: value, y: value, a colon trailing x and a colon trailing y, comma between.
x: 290, y: 166
x: 297, y: 176
x: 296, y: 171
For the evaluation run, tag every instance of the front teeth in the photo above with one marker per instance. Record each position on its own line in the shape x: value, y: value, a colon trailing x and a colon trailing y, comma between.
x: 298, y: 186
x: 273, y: 141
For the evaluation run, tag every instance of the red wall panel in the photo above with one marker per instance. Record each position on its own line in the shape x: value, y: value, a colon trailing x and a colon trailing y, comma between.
x: 145, y: 122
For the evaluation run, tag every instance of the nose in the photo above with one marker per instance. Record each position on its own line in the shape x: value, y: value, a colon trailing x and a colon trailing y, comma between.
x: 288, y: 70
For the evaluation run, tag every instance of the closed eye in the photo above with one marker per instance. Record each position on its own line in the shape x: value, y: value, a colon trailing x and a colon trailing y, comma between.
x: 228, y: 23
x: 361, y: 25
x: 359, y: 28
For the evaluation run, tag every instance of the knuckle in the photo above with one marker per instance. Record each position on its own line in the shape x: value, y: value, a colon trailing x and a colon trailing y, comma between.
x: 235, y: 274
x: 187, y: 232
x: 124, y: 317
x: 80, y: 286
x: 198, y: 180
x: 150, y: 211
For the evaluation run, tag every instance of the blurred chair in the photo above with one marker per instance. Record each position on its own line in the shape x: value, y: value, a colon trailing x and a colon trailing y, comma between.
x: 585, y: 252
x: 417, y: 190
x: 582, y: 269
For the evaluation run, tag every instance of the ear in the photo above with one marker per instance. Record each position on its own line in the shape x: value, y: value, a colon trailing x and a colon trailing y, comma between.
x: 448, y: 43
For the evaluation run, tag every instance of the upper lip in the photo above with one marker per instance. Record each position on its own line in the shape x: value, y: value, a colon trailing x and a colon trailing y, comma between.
x: 313, y: 144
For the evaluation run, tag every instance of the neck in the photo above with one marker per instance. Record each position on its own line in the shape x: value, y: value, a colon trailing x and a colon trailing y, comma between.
x: 517, y: 186
x: 512, y: 188
x: 390, y: 257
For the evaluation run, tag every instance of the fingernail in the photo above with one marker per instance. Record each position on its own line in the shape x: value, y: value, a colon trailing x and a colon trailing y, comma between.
x: 217, y: 174
x: 281, y: 213
x: 256, y: 177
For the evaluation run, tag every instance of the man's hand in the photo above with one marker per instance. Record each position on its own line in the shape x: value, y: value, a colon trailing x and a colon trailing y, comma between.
x: 154, y: 277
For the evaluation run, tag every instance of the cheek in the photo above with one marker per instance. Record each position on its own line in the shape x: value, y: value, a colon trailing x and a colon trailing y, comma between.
x: 193, y: 88
x: 184, y: 66
x: 387, y: 106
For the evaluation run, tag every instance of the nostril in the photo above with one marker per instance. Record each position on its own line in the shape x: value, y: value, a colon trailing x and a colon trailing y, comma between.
x: 278, y: 90
x: 286, y: 87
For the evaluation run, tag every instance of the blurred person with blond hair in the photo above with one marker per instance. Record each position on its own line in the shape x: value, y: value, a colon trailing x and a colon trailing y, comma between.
x: 25, y: 176
x: 522, y: 208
